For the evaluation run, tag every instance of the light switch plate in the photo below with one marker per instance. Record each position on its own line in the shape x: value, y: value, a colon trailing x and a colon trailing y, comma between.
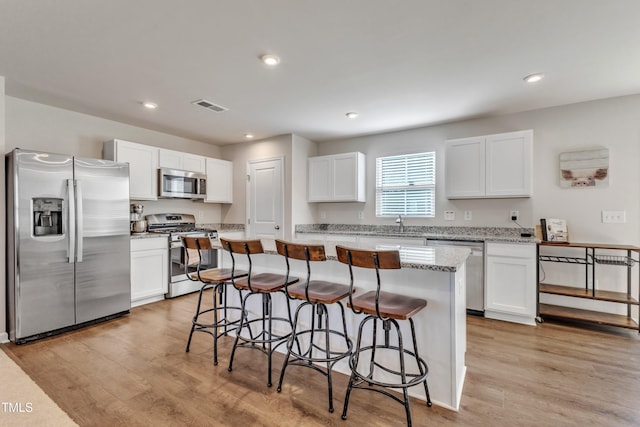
x: 467, y: 215
x: 360, y: 214
x: 449, y: 215
x: 614, y: 217
x: 323, y: 215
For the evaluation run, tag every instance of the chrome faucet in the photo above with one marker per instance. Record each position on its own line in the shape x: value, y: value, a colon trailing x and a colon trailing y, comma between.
x: 400, y: 223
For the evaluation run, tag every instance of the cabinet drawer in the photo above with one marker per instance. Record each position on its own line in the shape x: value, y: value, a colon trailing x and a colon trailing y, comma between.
x: 145, y: 244
x: 511, y: 250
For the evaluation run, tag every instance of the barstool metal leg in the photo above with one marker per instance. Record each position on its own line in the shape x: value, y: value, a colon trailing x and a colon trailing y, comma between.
x: 243, y: 319
x: 353, y: 364
x: 194, y: 321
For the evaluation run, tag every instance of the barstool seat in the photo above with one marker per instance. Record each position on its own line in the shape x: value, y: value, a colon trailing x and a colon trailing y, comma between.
x: 263, y: 282
x: 393, y: 306
x: 320, y: 291
x: 375, y: 373
x: 215, y: 279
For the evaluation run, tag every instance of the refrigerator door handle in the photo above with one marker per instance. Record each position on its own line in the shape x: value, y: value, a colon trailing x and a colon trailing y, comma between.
x: 79, y: 222
x: 71, y: 225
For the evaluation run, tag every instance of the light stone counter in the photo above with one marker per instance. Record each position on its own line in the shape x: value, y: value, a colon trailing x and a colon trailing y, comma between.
x: 471, y: 234
x: 448, y: 259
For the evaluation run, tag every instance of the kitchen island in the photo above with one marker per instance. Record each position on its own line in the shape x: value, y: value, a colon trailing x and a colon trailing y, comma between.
x: 436, y: 274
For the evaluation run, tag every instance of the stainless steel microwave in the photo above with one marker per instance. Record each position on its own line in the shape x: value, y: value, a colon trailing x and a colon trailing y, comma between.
x: 181, y: 184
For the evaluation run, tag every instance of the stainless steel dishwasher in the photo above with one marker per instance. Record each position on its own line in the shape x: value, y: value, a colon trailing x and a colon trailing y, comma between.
x: 475, y: 272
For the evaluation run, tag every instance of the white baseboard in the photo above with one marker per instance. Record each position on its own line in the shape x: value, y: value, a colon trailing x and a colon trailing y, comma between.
x: 4, y: 337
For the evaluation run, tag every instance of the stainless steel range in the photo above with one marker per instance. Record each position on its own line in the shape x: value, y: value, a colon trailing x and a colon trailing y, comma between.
x: 177, y: 225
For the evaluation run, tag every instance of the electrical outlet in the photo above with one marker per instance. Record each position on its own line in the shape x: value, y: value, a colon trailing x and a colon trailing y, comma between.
x: 617, y: 217
x: 514, y: 215
x: 323, y: 215
x: 449, y: 215
x: 200, y: 215
x: 360, y: 214
x: 467, y: 215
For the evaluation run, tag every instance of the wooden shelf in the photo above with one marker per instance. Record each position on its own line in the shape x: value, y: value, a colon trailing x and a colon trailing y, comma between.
x: 587, y: 315
x: 573, y: 291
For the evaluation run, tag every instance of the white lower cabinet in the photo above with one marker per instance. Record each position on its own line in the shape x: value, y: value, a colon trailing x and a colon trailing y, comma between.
x: 510, y: 282
x: 149, y: 270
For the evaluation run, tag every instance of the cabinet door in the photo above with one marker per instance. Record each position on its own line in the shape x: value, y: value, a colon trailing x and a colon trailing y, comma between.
x: 319, y: 180
x: 219, y: 181
x: 465, y: 168
x: 149, y: 275
x: 508, y: 164
x: 170, y: 159
x: 193, y: 163
x: 346, y: 179
x: 143, y: 168
x: 510, y: 286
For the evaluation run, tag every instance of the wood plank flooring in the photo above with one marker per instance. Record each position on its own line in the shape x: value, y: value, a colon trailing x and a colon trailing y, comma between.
x: 134, y: 371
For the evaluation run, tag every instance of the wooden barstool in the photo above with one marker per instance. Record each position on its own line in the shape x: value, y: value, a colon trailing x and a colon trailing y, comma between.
x: 213, y: 278
x: 263, y: 284
x: 316, y: 295
x: 387, y: 308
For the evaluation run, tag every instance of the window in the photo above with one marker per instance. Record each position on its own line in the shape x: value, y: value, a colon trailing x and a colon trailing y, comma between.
x: 406, y: 185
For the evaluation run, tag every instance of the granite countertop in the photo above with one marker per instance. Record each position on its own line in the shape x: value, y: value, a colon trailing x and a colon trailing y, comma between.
x: 148, y: 235
x: 470, y: 234
x: 446, y: 259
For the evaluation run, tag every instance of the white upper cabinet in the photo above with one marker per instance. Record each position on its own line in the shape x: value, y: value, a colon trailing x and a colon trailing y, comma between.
x: 219, y: 181
x: 143, y: 166
x: 337, y: 178
x: 465, y: 168
x: 178, y: 160
x: 490, y: 166
x: 169, y: 159
x: 194, y: 163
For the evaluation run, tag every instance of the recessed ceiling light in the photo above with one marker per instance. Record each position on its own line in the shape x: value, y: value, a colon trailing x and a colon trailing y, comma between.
x: 270, y: 60
x: 248, y: 135
x: 150, y: 105
x: 534, y: 78
x: 352, y: 115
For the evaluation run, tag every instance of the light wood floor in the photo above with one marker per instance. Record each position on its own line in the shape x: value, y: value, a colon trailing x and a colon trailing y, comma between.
x: 134, y: 371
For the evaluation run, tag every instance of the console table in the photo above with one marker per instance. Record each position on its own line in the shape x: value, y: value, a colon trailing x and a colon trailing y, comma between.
x: 588, y: 256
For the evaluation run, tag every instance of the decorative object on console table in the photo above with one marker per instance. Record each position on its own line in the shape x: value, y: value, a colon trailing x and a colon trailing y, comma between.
x: 554, y: 230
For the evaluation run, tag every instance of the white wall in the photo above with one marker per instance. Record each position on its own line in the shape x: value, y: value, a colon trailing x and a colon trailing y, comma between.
x: 302, y: 211
x: 240, y: 154
x: 36, y: 126
x: 3, y: 294
x: 41, y: 127
x: 611, y: 123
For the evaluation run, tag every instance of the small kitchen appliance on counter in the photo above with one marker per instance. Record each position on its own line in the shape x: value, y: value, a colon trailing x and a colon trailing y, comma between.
x: 177, y: 225
x: 138, y: 223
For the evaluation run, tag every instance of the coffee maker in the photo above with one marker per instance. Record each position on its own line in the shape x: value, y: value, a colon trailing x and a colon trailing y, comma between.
x: 138, y: 224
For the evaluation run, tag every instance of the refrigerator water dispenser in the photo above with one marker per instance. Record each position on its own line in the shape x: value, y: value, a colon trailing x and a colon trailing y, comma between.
x: 47, y: 216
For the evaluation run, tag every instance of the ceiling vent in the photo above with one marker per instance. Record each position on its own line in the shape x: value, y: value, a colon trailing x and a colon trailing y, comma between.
x: 210, y: 105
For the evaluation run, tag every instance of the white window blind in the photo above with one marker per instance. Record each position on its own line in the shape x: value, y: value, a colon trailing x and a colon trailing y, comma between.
x: 406, y: 185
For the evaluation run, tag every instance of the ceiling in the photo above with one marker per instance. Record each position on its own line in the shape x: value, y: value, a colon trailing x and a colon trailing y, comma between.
x: 398, y: 63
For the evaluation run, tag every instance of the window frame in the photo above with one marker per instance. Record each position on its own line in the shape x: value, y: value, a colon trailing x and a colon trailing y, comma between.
x: 428, y: 186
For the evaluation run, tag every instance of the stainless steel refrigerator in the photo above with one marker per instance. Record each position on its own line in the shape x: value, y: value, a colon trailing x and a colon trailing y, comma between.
x: 67, y: 242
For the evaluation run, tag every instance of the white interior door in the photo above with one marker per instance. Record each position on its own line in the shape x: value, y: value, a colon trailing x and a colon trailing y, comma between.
x: 266, y: 199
